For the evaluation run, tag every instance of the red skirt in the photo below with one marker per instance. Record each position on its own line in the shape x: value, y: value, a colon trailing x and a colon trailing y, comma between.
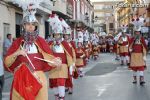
x: 124, y: 54
x: 57, y: 82
x: 139, y: 68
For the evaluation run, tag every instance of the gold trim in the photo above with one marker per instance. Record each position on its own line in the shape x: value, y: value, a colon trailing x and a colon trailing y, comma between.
x: 16, y: 95
x: 9, y: 60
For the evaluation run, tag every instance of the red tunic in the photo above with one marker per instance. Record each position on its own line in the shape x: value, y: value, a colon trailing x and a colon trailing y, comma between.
x: 25, y: 84
x: 40, y: 65
x: 125, y: 51
x: 73, y: 44
x: 137, y: 48
x: 80, y: 52
x: 59, y: 81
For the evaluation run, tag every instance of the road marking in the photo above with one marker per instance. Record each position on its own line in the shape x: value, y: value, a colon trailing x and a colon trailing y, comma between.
x: 102, y: 89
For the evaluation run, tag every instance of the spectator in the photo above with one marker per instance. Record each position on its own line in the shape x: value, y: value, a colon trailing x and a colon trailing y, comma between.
x: 7, y: 43
x: 1, y: 77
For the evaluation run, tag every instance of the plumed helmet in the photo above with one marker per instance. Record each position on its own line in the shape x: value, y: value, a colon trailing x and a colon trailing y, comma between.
x: 55, y: 24
x: 29, y: 14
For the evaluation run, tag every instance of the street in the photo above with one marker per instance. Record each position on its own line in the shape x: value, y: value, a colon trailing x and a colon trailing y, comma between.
x: 57, y: 35
x: 104, y: 79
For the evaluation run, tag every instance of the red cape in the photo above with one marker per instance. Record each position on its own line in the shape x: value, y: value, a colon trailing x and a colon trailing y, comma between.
x: 67, y: 47
x: 16, y: 44
x: 142, y: 41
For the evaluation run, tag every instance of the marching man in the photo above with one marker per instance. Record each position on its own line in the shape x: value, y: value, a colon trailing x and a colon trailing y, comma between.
x: 58, y: 77
x: 110, y: 43
x: 138, y: 52
x: 86, y: 46
x: 67, y: 39
x: 103, y: 44
x: 124, y: 47
x: 80, y: 55
x: 28, y: 58
x: 95, y: 50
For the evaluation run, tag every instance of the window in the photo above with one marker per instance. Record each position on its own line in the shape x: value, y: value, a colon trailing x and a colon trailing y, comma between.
x: 19, y: 18
x: 6, y: 29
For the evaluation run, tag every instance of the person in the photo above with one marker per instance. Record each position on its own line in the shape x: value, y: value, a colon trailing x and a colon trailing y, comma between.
x: 124, y: 47
x: 103, y: 44
x: 60, y: 48
x: 86, y: 49
x: 1, y: 77
x: 138, y: 50
x: 7, y: 43
x: 69, y: 81
x: 67, y: 40
x: 95, y: 51
x: 28, y: 58
x: 80, y: 58
x: 110, y: 43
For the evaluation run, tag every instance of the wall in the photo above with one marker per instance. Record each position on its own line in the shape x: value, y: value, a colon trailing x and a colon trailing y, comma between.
x: 9, y: 18
x: 60, y: 5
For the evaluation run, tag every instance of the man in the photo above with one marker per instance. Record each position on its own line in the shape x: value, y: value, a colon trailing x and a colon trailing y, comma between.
x: 138, y: 50
x: 67, y: 39
x: 7, y: 43
x: 86, y: 47
x: 28, y: 58
x: 80, y: 58
x: 110, y: 43
x: 124, y: 47
x: 104, y: 44
x: 95, y: 50
x: 69, y: 81
x: 58, y: 77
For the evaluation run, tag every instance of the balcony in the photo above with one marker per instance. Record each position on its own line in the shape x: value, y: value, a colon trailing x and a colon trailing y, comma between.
x: 45, y: 6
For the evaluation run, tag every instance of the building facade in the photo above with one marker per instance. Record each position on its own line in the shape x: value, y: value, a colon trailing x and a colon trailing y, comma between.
x: 130, y: 9
x: 104, y: 16
x: 73, y: 11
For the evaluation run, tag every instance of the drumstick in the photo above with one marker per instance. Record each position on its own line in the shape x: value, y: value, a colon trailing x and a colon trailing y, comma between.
x: 43, y: 60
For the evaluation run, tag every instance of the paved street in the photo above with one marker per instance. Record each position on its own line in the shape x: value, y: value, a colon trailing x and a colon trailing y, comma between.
x: 104, y: 79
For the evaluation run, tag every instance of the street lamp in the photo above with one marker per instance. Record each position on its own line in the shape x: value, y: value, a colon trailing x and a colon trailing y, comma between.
x: 96, y: 18
x: 54, y: 1
x: 86, y: 17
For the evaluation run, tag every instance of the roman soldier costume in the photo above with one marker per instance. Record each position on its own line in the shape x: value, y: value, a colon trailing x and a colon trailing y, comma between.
x: 124, y: 47
x: 67, y: 37
x: 29, y: 81
x: 80, y: 56
x: 138, y: 50
x: 58, y: 77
